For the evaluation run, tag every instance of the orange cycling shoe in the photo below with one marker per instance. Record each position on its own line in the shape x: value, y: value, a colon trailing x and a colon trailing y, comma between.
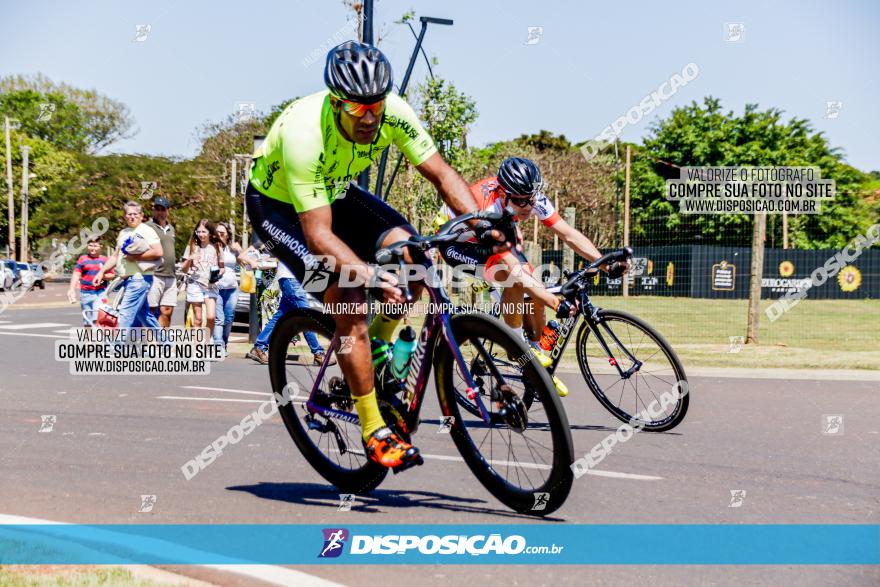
x: 389, y: 450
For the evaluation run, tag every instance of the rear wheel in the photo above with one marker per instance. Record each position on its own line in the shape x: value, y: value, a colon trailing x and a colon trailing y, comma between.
x: 332, y: 446
x: 522, y: 456
x: 650, y: 379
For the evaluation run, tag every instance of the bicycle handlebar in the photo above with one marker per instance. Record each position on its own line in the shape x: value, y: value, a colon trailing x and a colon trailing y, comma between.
x: 503, y: 221
x: 574, y: 280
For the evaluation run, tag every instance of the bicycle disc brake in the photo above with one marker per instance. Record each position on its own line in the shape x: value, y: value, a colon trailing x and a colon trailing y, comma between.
x: 339, y: 397
x: 512, y: 410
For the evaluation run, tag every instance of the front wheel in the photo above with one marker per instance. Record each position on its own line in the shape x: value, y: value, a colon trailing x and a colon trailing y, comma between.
x: 332, y: 446
x: 653, y: 389
x: 522, y: 456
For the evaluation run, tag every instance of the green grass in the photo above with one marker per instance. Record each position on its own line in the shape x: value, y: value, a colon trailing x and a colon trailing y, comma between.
x: 69, y: 576
x: 836, y: 325
x: 827, y: 334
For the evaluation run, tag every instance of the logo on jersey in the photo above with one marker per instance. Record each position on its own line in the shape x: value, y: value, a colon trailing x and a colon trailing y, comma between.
x: 451, y: 253
x: 334, y: 541
x: 270, y: 174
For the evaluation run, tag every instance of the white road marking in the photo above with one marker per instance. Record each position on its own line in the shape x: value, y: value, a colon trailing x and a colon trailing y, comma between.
x: 33, y: 334
x: 268, y: 573
x: 497, y: 463
x: 33, y: 325
x: 597, y: 473
x: 226, y: 390
x: 210, y: 399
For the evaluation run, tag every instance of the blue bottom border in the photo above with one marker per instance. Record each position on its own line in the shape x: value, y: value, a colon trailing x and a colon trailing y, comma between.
x: 665, y: 544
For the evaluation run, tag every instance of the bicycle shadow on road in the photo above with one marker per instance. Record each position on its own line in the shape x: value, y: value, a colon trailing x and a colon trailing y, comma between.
x: 591, y: 427
x: 314, y: 494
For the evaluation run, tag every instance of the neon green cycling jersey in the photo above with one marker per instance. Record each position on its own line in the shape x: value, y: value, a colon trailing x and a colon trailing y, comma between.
x: 307, y: 162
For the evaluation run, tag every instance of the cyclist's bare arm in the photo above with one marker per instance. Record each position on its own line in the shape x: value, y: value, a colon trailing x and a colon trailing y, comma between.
x: 453, y: 189
x: 317, y: 228
x: 531, y: 284
x: 576, y: 240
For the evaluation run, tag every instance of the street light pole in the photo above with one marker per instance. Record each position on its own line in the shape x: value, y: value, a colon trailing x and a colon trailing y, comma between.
x: 24, y: 203
x: 232, y: 178
x: 246, y: 159
x: 11, y: 237
x: 425, y: 20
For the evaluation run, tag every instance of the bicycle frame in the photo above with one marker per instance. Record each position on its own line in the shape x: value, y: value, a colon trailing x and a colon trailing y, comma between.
x: 590, y: 313
x: 416, y: 383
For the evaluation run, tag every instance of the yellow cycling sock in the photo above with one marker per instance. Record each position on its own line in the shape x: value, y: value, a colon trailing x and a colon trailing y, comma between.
x: 383, y: 327
x: 369, y: 414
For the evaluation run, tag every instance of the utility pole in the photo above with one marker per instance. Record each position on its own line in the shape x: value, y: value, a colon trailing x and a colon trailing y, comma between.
x: 425, y: 20
x: 24, y: 203
x: 755, y: 280
x: 245, y: 168
x: 11, y: 238
x: 232, y: 177
x: 367, y: 34
x: 784, y: 230
x: 626, y: 216
x: 556, y: 236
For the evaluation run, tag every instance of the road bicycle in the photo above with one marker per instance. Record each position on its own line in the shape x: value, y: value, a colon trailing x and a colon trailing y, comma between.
x: 625, y: 362
x: 521, y: 456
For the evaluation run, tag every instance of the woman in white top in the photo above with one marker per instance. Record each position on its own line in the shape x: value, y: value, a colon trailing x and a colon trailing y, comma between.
x: 228, y: 284
x: 203, y: 256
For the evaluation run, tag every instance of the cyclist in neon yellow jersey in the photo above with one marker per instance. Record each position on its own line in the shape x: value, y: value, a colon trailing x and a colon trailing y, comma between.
x: 302, y: 204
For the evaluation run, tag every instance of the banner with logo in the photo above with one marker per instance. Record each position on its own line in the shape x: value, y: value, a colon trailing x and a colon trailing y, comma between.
x: 700, y: 271
x: 440, y: 544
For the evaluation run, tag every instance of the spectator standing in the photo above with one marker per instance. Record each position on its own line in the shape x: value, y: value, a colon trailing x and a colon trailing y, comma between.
x: 82, y: 280
x: 228, y: 283
x: 292, y: 296
x: 204, y: 257
x: 137, y: 253
x: 162, y: 298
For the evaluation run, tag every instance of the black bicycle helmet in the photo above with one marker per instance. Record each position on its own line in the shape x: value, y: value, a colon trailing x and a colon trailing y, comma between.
x: 358, y: 72
x: 519, y: 176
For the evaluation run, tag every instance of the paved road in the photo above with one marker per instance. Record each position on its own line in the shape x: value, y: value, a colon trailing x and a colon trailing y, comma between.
x: 117, y: 438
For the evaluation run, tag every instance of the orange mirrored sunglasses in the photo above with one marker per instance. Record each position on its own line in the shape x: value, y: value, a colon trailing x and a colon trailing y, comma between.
x: 359, y: 110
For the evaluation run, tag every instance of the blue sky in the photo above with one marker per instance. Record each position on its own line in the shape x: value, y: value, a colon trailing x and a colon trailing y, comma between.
x: 594, y: 61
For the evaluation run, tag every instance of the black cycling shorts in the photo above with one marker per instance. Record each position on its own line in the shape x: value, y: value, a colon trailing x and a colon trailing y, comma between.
x: 360, y: 219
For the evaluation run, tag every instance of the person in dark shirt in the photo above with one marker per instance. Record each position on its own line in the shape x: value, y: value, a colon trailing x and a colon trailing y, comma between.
x: 162, y: 298
x: 87, y: 266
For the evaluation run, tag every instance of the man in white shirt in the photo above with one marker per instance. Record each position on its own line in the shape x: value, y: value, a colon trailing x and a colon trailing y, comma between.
x: 137, y: 254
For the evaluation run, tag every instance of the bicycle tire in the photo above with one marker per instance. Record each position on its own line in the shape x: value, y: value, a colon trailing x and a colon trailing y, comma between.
x: 681, y: 409
x: 558, y: 484
x: 360, y: 480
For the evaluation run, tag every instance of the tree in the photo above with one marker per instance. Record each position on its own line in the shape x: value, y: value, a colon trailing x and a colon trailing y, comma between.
x: 447, y: 114
x: 96, y: 120
x: 588, y: 187
x: 703, y: 135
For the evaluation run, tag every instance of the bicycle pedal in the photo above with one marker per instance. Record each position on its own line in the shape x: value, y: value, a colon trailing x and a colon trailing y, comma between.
x: 417, y: 461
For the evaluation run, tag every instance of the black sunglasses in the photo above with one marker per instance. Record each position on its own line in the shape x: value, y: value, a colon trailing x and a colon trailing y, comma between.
x: 522, y: 202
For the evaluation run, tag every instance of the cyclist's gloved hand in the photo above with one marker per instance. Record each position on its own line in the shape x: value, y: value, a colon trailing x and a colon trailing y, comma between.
x: 565, y: 309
